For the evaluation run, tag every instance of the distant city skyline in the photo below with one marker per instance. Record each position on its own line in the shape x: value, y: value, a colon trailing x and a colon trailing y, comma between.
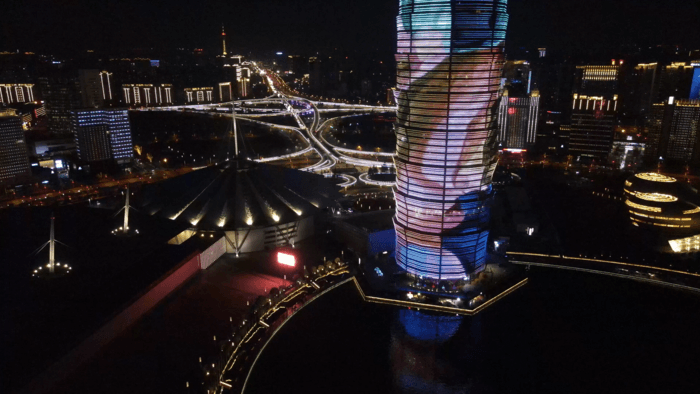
x: 71, y: 26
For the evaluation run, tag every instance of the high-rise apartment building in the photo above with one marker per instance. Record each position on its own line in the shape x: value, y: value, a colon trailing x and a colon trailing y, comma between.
x: 673, y: 130
x: 592, y: 126
x: 597, y: 80
x: 14, y: 160
x: 517, y: 121
x: 61, y: 95
x: 91, y: 91
x: 449, y: 66
x: 203, y: 95
x: 147, y: 95
x: 676, y: 81
x: 63, y: 92
x: 16, y: 93
x: 102, y: 134
x: 106, y: 83
x: 639, y: 91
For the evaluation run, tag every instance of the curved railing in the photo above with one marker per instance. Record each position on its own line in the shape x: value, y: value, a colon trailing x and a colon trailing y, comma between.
x: 266, y: 317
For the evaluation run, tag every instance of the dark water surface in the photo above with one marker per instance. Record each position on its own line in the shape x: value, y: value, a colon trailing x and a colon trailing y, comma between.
x: 563, y: 332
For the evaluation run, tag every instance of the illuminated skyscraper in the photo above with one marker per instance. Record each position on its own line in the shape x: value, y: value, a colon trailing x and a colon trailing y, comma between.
x: 449, y: 64
x: 517, y: 121
x: 674, y: 128
x: 102, y: 134
x: 592, y: 126
x: 14, y: 162
x: 16, y: 93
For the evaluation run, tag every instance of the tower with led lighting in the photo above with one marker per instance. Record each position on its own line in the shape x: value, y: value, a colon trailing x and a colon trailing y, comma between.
x: 449, y: 64
x: 223, y: 38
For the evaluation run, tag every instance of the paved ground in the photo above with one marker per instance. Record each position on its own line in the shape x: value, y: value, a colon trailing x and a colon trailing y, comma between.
x: 160, y: 353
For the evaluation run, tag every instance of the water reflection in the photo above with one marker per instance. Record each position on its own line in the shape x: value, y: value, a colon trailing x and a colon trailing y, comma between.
x: 423, y: 356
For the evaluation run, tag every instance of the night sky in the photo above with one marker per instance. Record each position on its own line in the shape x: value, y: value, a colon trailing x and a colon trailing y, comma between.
x: 60, y: 26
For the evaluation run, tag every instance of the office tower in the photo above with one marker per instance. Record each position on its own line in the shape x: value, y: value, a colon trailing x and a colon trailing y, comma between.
x: 315, y: 76
x: 551, y: 138
x: 91, y: 88
x: 64, y: 91
x: 243, y: 79
x: 147, y: 95
x: 673, y: 130
x: 517, y: 121
x: 592, y: 126
x: 102, y: 134
x: 676, y: 81
x: 61, y: 94
x: 597, y: 80
x: 695, y: 84
x: 518, y: 73
x: 449, y: 65
x: 391, y: 96
x: 106, y: 83
x: 639, y: 91
x: 226, y: 92
x: 16, y: 93
x: 199, y: 95
x: 14, y: 160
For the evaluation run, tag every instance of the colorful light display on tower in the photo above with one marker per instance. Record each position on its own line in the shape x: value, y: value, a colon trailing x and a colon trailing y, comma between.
x: 449, y: 64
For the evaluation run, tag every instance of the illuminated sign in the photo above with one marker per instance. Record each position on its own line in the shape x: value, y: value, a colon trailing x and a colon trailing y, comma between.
x: 286, y: 259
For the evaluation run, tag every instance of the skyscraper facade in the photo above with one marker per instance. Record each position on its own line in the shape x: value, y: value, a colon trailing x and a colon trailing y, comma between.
x: 16, y: 93
x: 592, y: 126
x: 102, y: 134
x: 147, y: 95
x: 517, y: 121
x: 449, y: 64
x: 673, y: 130
x: 14, y: 161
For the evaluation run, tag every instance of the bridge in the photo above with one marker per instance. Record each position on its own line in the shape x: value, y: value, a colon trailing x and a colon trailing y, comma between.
x: 285, y: 102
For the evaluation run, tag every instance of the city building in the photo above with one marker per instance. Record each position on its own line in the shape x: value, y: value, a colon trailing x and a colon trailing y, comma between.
x: 147, y: 95
x: 673, y: 130
x: 226, y: 91
x: 628, y: 148
x: 14, y: 160
x: 91, y: 88
x: 16, y: 93
x: 449, y: 64
x: 203, y: 95
x: 517, y: 121
x: 592, y: 126
x: 598, y: 80
x: 677, y: 80
x: 550, y: 136
x: 106, y: 82
x: 518, y: 72
x: 391, y: 96
x: 255, y: 206
x: 243, y: 79
x: 639, y: 91
x: 61, y: 94
x: 662, y: 204
x: 102, y: 134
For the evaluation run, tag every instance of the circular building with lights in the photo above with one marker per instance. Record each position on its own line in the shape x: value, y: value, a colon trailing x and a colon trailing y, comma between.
x: 255, y: 206
x: 663, y: 204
